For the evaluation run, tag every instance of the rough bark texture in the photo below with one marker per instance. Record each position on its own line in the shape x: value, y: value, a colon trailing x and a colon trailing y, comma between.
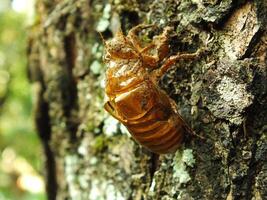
x: 222, y: 95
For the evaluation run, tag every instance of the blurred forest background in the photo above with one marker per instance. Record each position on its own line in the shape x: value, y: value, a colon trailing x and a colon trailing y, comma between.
x: 20, y: 149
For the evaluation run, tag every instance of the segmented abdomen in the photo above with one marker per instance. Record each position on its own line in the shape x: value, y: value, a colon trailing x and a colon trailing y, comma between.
x: 150, y: 118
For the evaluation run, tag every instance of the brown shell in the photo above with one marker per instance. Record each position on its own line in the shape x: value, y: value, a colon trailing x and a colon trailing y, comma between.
x: 134, y: 96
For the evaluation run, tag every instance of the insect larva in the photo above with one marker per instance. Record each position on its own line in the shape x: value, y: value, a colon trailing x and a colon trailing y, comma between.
x: 135, y: 98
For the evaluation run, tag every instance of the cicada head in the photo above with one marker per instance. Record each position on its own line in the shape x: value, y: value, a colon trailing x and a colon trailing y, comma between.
x: 119, y: 48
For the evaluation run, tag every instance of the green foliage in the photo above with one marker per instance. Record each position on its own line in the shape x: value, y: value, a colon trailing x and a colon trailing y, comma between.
x: 19, y: 144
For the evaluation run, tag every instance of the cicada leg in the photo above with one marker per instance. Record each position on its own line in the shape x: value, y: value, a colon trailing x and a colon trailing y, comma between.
x: 173, y: 59
x: 132, y: 35
x: 157, y: 50
x: 186, y: 126
x: 109, y: 107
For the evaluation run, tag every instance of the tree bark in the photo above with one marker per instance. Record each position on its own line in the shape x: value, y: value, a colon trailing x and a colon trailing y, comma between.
x: 222, y: 95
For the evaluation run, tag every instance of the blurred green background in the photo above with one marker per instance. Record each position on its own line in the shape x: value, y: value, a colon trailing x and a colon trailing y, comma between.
x: 20, y: 149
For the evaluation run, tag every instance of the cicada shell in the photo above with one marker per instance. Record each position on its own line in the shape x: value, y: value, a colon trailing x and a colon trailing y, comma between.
x: 134, y: 97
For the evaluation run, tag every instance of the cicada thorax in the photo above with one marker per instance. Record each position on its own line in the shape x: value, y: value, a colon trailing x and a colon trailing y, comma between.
x: 122, y: 75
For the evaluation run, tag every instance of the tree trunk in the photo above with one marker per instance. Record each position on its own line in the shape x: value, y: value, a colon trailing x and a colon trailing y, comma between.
x: 222, y: 95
